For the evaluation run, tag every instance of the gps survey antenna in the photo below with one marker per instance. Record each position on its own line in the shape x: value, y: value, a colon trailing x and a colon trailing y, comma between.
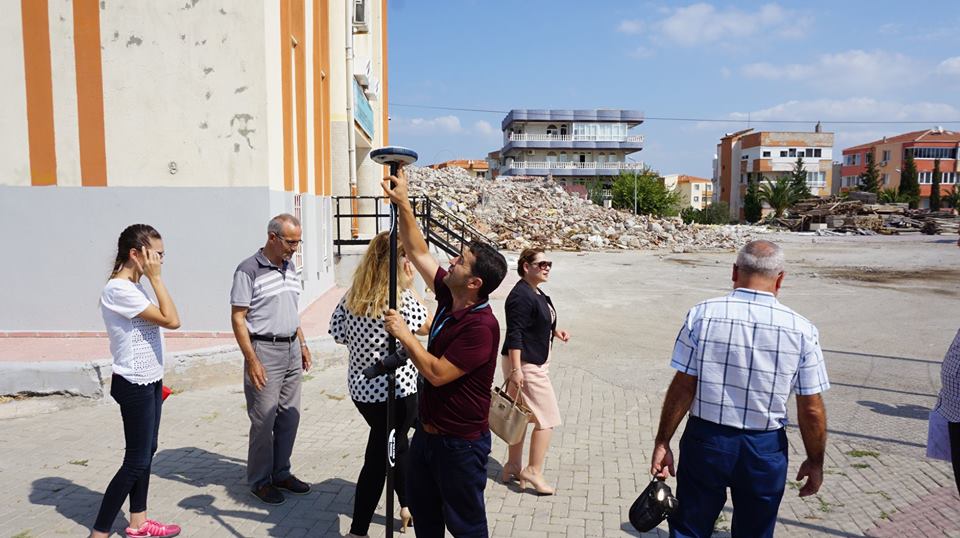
x: 395, y: 157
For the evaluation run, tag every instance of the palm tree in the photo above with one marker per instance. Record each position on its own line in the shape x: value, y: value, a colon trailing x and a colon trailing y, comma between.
x: 953, y: 197
x: 779, y: 196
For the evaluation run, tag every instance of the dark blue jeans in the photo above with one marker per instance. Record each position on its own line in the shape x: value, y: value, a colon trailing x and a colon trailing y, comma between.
x: 140, y: 408
x: 445, y: 482
x: 753, y: 464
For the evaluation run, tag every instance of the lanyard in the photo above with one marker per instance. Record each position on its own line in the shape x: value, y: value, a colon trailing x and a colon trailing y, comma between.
x: 440, y: 320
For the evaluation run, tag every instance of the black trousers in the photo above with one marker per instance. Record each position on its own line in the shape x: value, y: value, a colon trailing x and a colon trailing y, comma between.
x: 954, y: 429
x: 140, y: 408
x: 374, y: 471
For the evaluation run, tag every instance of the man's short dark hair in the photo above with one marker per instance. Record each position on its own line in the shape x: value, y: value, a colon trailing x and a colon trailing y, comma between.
x: 489, y: 266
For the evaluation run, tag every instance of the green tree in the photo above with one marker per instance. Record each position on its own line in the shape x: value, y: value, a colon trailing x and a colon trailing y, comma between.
x: 892, y: 196
x: 935, y: 187
x: 870, y: 178
x: 752, y: 205
x: 952, y: 198
x: 798, y: 179
x: 909, y: 184
x: 652, y: 196
x: 779, y: 196
x: 718, y: 213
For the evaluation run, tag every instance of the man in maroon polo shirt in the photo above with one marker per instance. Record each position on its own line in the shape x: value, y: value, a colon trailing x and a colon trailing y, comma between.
x: 447, y: 469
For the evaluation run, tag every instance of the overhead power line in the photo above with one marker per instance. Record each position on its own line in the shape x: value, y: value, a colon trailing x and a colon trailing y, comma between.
x: 710, y: 120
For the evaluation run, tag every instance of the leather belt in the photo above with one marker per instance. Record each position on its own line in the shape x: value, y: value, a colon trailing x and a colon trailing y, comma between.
x: 274, y: 339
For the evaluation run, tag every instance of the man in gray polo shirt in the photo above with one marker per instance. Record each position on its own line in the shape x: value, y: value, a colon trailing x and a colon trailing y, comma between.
x: 266, y: 323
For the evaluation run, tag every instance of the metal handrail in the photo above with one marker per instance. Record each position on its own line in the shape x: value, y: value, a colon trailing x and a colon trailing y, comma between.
x: 440, y: 227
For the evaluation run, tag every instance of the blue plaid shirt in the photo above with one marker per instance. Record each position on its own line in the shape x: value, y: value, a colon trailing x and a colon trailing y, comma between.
x: 748, y: 352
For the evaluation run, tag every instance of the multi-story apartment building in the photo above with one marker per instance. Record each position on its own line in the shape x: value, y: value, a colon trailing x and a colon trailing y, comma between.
x: 926, y: 147
x: 203, y: 119
x: 762, y: 155
x: 695, y: 192
x: 575, y: 147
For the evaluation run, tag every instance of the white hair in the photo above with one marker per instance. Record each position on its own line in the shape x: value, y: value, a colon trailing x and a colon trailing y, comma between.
x: 761, y: 257
x: 276, y: 223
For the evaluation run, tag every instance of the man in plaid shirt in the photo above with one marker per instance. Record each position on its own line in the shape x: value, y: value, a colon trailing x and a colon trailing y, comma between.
x: 738, y: 358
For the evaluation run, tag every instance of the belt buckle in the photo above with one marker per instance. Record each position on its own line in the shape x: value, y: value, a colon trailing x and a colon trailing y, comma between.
x: 274, y: 339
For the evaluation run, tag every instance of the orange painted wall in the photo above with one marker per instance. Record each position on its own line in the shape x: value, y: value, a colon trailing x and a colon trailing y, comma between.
x: 86, y: 44
x: 39, y: 87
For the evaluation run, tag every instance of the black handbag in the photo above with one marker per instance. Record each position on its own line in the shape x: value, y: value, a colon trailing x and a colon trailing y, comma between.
x: 654, y: 504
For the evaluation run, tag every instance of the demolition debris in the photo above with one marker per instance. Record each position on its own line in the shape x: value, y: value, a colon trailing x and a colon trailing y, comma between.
x: 518, y: 213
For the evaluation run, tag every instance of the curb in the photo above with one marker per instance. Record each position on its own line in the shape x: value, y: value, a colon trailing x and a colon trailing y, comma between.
x: 197, y: 368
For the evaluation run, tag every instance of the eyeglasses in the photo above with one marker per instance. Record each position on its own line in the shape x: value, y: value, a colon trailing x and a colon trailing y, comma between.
x: 544, y: 265
x: 291, y: 242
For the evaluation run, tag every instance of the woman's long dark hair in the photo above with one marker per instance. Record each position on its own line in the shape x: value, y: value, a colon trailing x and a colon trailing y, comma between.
x: 135, y: 236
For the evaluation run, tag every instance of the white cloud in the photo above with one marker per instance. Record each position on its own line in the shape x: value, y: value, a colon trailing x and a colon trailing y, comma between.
x: 420, y: 126
x: 950, y: 66
x: 848, y: 70
x: 852, y: 109
x: 641, y: 53
x: 484, y: 128
x: 631, y: 26
x: 703, y: 23
x: 442, y: 125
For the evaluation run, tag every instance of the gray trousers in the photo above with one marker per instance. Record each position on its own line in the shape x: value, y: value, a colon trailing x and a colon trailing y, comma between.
x: 274, y: 412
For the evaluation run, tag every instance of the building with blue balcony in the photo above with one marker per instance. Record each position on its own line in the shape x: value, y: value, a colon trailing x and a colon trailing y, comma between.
x: 574, y: 147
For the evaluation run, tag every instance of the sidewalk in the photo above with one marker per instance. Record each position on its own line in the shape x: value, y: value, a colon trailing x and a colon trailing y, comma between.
x: 80, y: 365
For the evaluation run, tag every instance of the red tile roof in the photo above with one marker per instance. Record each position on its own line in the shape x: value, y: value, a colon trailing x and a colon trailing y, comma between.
x: 926, y: 135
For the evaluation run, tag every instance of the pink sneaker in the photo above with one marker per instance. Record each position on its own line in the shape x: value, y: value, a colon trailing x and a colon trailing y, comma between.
x: 152, y: 529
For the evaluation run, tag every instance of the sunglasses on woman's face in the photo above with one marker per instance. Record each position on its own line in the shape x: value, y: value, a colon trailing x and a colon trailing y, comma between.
x: 544, y: 265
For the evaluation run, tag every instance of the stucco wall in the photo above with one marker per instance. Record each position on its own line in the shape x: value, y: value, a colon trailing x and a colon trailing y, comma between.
x: 206, y: 231
x: 185, y: 92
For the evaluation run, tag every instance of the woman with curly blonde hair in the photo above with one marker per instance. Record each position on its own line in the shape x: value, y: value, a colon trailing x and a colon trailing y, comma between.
x: 357, y: 323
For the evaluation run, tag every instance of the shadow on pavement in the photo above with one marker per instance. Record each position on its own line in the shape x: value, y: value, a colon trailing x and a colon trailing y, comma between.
x: 898, y: 410
x: 70, y: 500
x: 322, y: 507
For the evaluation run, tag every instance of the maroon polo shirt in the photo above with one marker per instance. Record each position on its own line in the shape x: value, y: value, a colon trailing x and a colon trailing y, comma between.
x: 469, y: 339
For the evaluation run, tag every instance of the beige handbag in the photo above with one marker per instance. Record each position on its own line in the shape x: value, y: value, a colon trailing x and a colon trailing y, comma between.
x: 508, y: 416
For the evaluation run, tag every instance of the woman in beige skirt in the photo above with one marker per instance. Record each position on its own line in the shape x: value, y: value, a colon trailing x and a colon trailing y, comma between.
x: 531, y: 327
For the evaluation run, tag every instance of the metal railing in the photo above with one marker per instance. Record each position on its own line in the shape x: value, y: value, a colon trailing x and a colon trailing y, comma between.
x: 536, y: 137
x: 440, y: 227
x: 575, y: 165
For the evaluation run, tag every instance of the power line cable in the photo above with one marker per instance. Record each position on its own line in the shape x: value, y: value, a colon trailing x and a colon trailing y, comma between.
x: 705, y: 120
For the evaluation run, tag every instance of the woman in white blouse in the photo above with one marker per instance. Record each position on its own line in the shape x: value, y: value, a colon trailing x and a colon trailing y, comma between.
x: 133, y: 325
x: 357, y: 323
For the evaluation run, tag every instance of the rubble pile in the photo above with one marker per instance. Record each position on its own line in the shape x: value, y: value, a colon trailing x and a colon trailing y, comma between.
x: 862, y: 215
x: 533, y: 212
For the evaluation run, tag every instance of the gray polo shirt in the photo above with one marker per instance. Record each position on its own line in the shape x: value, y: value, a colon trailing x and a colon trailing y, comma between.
x: 271, y: 293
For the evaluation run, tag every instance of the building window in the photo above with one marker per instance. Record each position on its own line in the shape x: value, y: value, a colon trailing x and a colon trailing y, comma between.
x: 886, y: 155
x: 696, y: 198
x: 925, y: 178
x: 817, y: 152
x: 933, y: 153
x: 783, y: 153
x: 696, y: 186
x: 808, y: 152
x: 851, y: 160
x: 766, y: 153
x: 886, y: 179
x: 551, y: 130
x: 792, y: 152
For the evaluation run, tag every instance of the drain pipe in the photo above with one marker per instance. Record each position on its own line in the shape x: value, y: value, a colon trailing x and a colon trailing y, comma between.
x: 351, y: 134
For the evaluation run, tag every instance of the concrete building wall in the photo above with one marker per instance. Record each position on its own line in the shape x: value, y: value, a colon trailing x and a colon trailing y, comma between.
x: 14, y: 151
x: 203, y: 119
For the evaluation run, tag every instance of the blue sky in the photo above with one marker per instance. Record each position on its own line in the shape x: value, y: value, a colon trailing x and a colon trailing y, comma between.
x: 827, y: 61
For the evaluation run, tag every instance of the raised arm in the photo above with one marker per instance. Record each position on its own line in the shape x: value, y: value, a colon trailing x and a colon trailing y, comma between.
x: 408, y: 232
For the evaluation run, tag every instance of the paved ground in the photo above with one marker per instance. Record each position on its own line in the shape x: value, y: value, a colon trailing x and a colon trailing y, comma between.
x: 884, y: 307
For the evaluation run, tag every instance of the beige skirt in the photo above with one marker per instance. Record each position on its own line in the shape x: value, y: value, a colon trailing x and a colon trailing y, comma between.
x: 538, y: 392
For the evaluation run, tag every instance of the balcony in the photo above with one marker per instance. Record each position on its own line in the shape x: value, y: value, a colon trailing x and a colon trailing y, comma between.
x: 593, y: 168
x: 572, y: 138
